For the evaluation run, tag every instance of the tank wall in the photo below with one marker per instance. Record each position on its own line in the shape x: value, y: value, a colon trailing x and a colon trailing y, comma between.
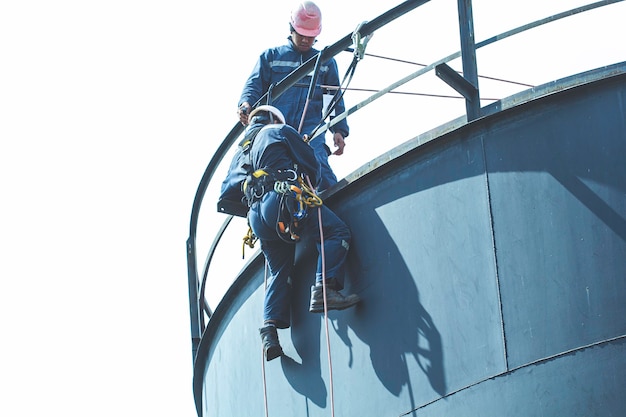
x: 558, y: 193
x: 491, y: 264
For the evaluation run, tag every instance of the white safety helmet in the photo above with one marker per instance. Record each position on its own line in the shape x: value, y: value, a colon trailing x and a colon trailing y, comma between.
x: 270, y: 109
x: 306, y: 19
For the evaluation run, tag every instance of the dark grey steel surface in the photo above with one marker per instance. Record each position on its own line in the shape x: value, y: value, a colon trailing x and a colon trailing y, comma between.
x: 559, y: 209
x: 492, y: 266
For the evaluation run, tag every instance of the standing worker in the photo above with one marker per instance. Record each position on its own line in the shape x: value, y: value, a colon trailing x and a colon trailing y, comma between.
x: 275, y: 64
x: 281, y: 164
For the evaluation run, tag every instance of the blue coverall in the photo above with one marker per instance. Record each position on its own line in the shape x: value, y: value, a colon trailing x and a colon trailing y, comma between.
x: 280, y: 147
x: 273, y: 65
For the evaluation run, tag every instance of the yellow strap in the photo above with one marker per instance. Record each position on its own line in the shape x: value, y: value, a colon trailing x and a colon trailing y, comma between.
x: 259, y: 173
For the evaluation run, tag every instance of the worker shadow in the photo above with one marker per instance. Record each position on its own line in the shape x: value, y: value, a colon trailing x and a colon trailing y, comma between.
x: 390, y: 330
x: 304, y: 369
x: 305, y: 377
x: 390, y: 238
x: 390, y: 320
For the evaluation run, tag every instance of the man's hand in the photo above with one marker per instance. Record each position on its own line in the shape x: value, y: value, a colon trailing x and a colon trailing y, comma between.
x: 243, y: 112
x: 339, y: 143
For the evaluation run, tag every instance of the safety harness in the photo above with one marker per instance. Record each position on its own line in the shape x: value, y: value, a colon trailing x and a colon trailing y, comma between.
x: 295, y: 197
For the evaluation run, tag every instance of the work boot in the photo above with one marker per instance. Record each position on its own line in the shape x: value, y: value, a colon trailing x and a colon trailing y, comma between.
x: 334, y: 299
x: 271, y: 346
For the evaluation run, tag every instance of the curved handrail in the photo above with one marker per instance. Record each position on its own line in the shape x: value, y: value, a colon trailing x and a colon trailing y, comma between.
x: 207, y: 263
x: 197, y: 301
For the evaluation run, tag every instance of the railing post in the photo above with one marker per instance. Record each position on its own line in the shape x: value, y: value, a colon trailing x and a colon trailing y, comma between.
x: 466, y: 84
x: 468, y: 56
x: 194, y: 306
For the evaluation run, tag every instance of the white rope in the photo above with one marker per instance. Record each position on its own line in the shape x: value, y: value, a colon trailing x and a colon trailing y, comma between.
x: 263, y: 354
x: 323, y: 257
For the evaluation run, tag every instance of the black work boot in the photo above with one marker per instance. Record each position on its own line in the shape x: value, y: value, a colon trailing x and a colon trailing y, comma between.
x: 271, y: 346
x: 334, y: 299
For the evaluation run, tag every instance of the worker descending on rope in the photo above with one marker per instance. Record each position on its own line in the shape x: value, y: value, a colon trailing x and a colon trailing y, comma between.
x: 302, y: 111
x: 283, y: 210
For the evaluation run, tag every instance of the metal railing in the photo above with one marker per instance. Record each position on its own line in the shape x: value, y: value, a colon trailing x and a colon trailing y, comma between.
x: 465, y: 84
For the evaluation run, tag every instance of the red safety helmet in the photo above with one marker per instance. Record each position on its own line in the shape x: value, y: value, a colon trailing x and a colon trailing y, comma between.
x: 306, y: 19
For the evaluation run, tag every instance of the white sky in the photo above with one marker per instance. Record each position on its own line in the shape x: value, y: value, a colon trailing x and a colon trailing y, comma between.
x: 109, y: 113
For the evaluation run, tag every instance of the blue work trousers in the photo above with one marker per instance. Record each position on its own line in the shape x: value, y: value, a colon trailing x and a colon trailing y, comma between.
x: 280, y: 255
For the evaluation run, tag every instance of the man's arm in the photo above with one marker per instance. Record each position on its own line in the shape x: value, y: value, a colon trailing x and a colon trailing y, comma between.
x: 254, y: 87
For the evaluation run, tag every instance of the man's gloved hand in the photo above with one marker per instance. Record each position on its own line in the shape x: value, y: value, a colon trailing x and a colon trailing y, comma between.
x: 243, y: 112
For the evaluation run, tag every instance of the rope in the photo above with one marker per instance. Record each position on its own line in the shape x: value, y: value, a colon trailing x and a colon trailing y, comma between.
x: 323, y: 258
x: 330, y: 361
x: 314, y: 200
x: 309, y: 95
x: 263, y: 354
x: 264, y: 382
